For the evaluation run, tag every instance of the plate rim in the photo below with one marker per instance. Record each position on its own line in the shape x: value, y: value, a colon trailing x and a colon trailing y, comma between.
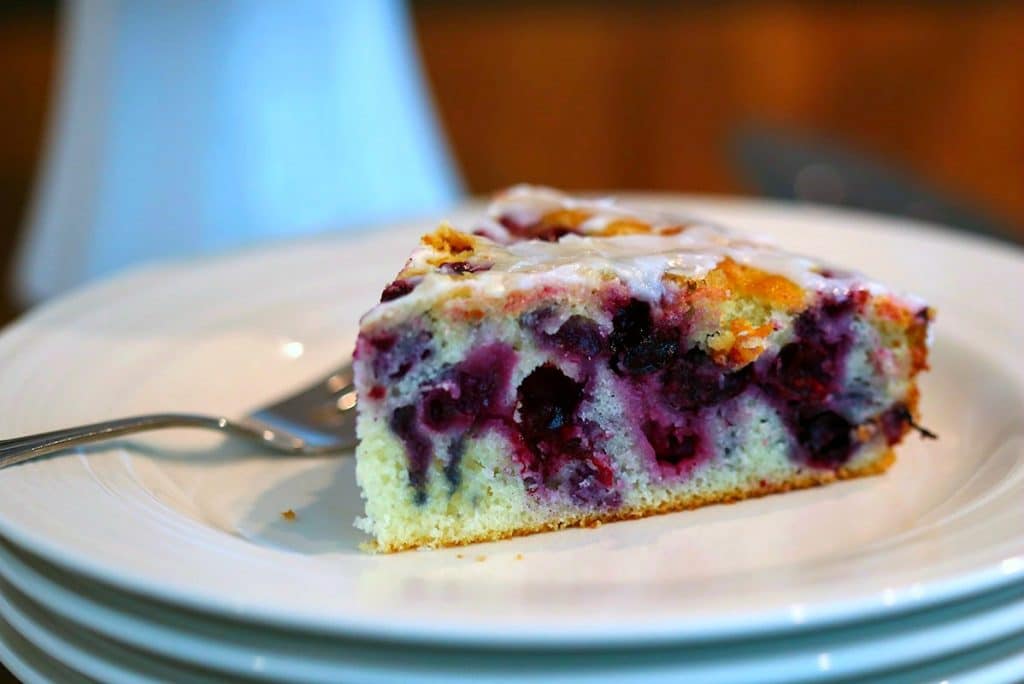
x: 37, y: 584
x: 856, y: 609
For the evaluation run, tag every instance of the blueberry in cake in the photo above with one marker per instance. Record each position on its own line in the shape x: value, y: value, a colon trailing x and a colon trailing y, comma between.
x: 573, y: 361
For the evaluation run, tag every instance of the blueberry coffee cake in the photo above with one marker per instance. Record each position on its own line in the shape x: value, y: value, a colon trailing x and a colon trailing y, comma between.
x: 569, y: 361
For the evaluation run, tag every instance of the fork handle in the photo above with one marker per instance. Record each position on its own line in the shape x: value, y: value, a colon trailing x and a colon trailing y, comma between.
x: 21, y: 449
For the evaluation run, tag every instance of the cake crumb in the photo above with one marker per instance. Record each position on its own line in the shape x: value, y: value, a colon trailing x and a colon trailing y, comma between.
x: 289, y: 515
x: 459, y: 556
x: 519, y: 556
x: 481, y: 559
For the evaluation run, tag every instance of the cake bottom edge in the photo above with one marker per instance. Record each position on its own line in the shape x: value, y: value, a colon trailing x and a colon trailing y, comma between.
x: 684, y: 502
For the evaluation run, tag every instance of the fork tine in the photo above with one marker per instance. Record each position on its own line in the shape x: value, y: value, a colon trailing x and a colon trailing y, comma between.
x: 320, y: 414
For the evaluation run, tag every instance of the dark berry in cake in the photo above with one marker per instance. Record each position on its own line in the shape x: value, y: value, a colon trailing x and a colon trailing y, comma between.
x: 637, y: 347
x: 694, y: 381
x: 827, y: 436
x: 396, y: 289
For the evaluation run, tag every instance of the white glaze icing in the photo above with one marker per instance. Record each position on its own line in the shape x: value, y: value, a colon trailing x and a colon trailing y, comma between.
x: 639, y: 261
x: 529, y: 203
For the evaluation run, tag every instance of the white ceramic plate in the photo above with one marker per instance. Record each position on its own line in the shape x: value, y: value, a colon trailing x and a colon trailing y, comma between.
x: 188, y: 518
x: 29, y: 664
x: 68, y: 645
x: 237, y: 650
x: 84, y: 652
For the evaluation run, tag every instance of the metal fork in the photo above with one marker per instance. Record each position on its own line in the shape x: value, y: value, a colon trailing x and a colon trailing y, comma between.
x: 318, y: 420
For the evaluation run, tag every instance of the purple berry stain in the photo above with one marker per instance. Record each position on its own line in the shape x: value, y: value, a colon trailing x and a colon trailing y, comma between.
x: 804, y: 379
x: 694, y: 381
x: 417, y: 447
x: 676, y: 394
x: 471, y: 393
x: 561, y: 451
x: 673, y: 444
x: 578, y: 337
x: 483, y: 380
x: 452, y: 471
x: 395, y: 354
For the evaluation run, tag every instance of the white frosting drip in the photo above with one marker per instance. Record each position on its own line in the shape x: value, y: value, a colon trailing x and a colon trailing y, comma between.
x: 639, y: 261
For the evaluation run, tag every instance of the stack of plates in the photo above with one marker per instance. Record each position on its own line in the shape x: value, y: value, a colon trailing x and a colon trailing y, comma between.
x: 167, y: 558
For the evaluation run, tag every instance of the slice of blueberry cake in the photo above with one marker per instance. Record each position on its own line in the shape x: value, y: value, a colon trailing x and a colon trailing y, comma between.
x: 572, y: 361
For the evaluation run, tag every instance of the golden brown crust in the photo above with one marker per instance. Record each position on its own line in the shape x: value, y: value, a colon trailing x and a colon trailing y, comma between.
x: 811, y: 479
x: 448, y: 242
x: 566, y: 218
x: 624, y: 227
x: 730, y: 279
x: 917, y: 337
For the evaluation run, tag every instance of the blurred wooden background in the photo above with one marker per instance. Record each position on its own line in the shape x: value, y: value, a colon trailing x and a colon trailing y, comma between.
x: 646, y: 95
